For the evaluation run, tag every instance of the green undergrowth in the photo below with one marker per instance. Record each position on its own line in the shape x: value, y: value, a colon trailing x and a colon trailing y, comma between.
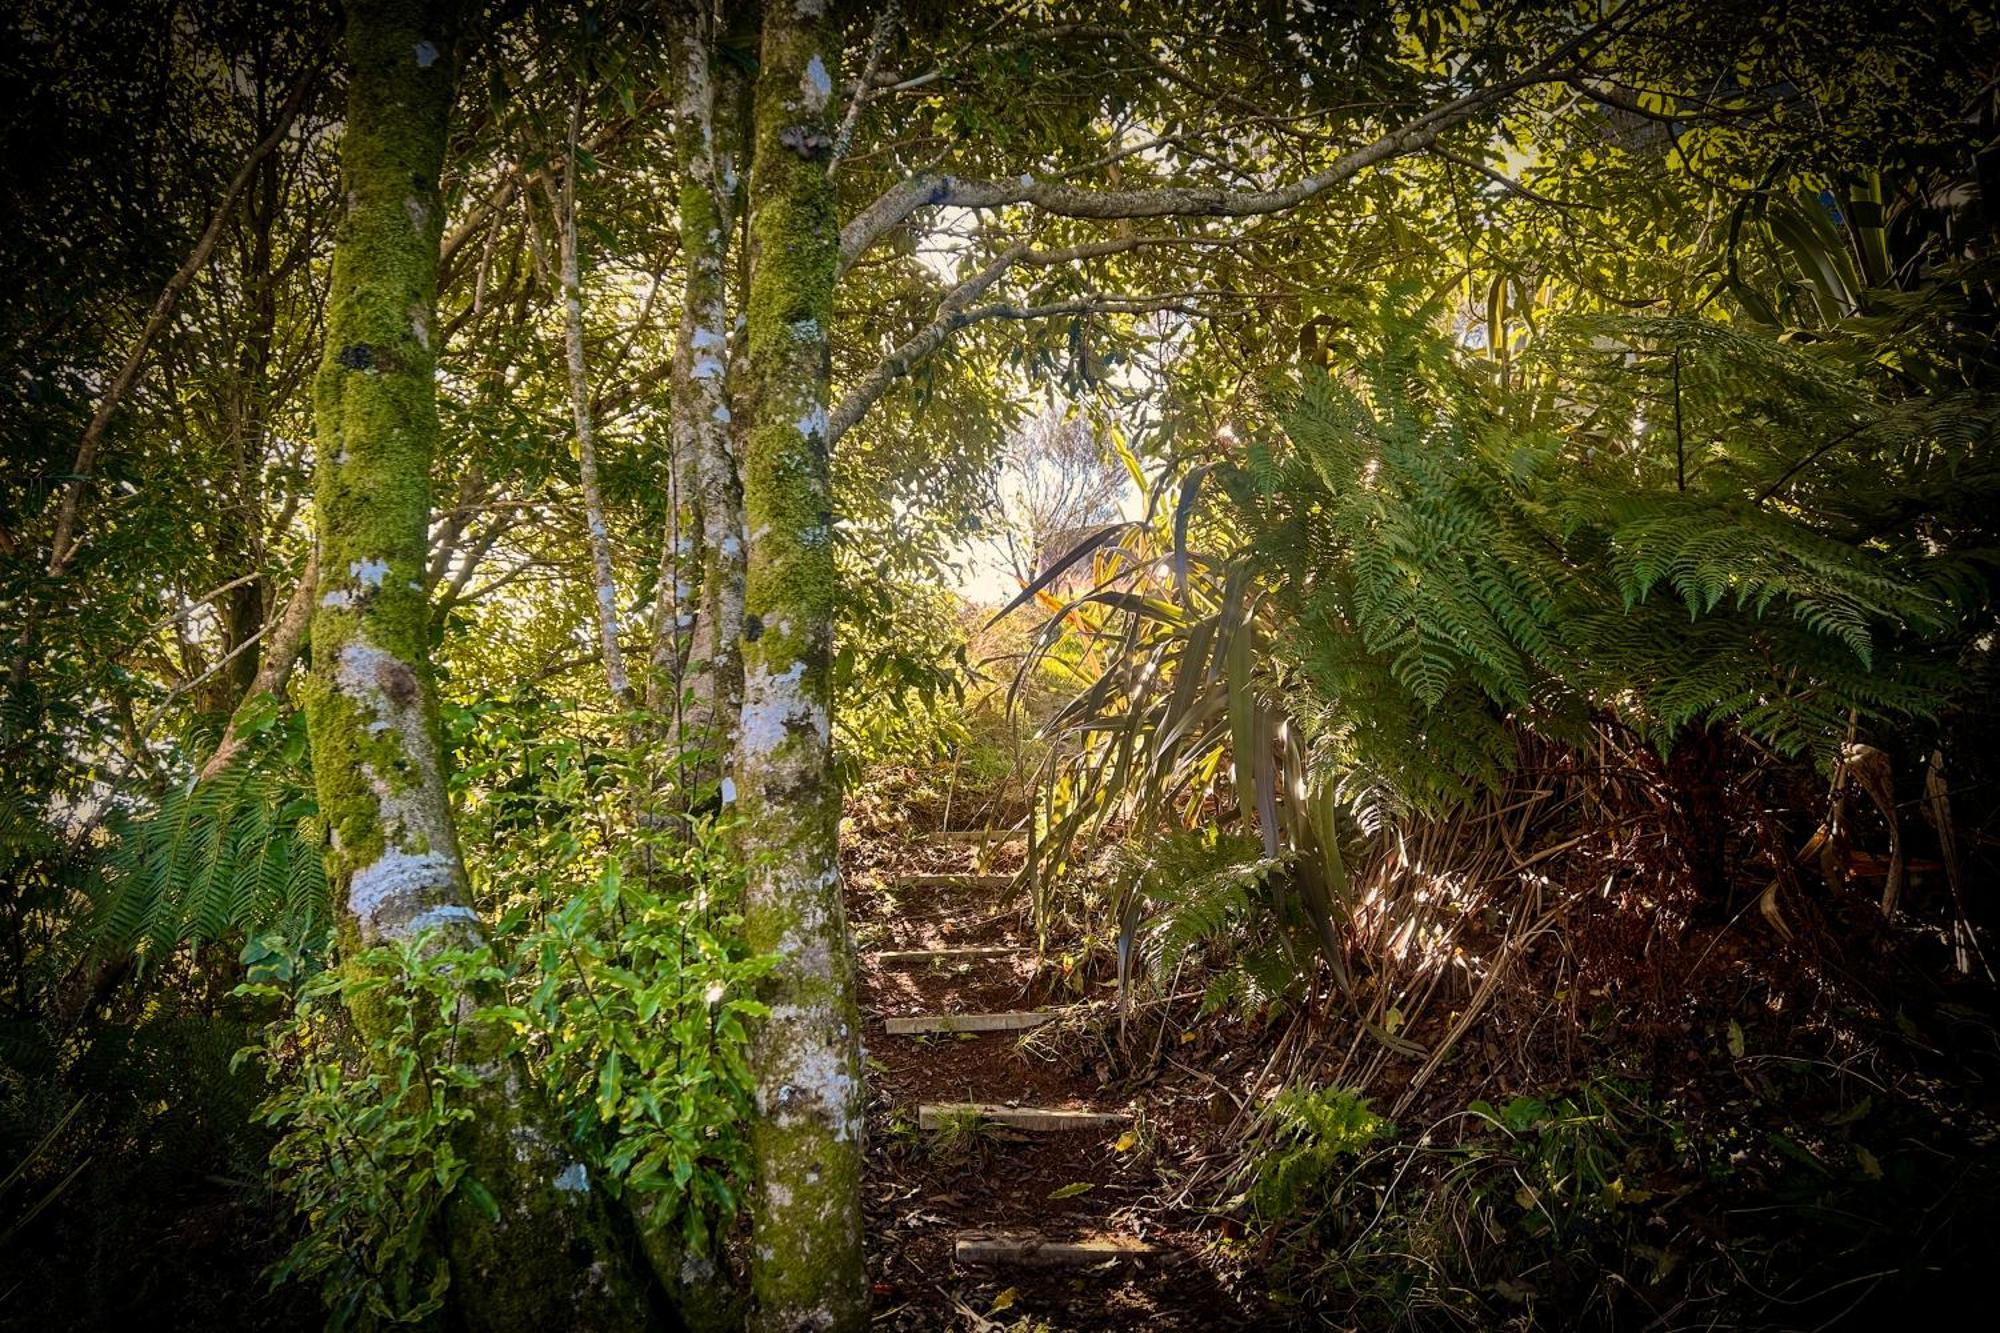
x: 961, y: 1137
x: 1807, y: 1199
x: 230, y: 860
x: 899, y: 675
x: 625, y: 1004
x: 614, y: 973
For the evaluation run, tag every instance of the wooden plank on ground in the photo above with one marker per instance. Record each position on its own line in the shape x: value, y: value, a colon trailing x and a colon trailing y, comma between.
x: 963, y: 953
x: 1033, y: 1251
x: 954, y: 880
x: 1019, y: 1022
x: 1035, y: 1119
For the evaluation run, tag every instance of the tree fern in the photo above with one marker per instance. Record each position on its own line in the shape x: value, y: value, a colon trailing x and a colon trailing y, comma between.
x: 1456, y: 557
x: 1431, y: 563
x: 1199, y: 896
x: 231, y: 856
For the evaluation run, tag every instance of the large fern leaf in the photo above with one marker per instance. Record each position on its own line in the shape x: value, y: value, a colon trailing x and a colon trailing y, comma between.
x: 211, y: 862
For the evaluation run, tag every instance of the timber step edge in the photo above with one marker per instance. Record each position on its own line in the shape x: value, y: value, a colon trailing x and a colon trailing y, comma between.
x: 1034, y: 1119
x: 914, y: 1024
x: 950, y: 880
x: 888, y: 956
x: 1034, y: 1251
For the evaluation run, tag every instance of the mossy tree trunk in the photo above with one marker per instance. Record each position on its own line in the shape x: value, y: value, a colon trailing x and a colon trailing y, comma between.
x: 548, y: 1260
x: 806, y: 1259
x: 698, y: 643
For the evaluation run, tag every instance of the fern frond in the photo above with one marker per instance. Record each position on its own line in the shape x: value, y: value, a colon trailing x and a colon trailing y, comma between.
x: 212, y: 862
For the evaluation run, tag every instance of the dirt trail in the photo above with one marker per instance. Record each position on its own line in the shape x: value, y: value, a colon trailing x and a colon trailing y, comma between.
x: 928, y: 1189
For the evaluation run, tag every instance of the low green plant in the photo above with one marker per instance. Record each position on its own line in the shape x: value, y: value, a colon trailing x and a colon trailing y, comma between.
x: 366, y: 1155
x: 223, y: 859
x: 899, y: 670
x: 627, y: 1002
x: 1577, y: 1156
x: 1201, y: 896
x: 1316, y: 1134
x: 635, y: 998
x: 1596, y: 1203
x: 959, y: 1135
x: 628, y: 988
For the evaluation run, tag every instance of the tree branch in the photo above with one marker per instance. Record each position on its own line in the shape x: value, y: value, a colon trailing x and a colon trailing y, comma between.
x: 1506, y: 183
x: 603, y: 581
x: 505, y: 193
x: 953, y: 315
x: 898, y: 363
x: 878, y: 43
x: 63, y: 545
x: 932, y: 189
x: 280, y: 653
x: 1764, y: 496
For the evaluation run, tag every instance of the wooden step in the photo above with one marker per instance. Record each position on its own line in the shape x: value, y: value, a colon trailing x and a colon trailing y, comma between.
x: 917, y: 1023
x: 1034, y: 1251
x: 963, y: 953
x: 1035, y: 1119
x: 951, y: 880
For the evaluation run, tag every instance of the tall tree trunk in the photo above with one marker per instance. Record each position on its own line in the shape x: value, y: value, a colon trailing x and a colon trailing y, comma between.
x: 248, y: 404
x: 806, y: 1257
x: 603, y: 583
x: 706, y: 586
x: 548, y: 1260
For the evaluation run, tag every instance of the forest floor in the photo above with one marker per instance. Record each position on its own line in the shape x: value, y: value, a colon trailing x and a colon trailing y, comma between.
x: 930, y: 1194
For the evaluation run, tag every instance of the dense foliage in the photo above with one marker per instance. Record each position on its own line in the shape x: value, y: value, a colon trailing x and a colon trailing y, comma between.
x: 1543, y: 718
x: 1460, y: 559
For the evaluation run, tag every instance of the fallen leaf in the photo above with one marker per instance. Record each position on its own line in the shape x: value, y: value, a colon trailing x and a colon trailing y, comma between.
x: 1070, y: 1191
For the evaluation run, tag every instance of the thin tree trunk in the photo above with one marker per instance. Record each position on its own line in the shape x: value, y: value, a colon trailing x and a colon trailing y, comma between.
x: 603, y: 584
x: 240, y: 538
x: 547, y: 1260
x: 726, y: 550
x: 806, y: 1255
x: 281, y: 652
x: 701, y: 622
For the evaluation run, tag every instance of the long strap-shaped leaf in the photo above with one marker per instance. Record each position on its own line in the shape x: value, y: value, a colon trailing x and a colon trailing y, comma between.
x: 1062, y: 563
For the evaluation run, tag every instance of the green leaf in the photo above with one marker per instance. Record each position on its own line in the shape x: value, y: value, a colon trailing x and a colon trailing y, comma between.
x: 481, y: 1197
x: 610, y: 1086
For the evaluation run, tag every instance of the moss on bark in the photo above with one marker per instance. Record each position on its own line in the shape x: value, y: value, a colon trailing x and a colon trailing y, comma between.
x: 806, y: 1263
x: 548, y: 1260
x: 707, y: 546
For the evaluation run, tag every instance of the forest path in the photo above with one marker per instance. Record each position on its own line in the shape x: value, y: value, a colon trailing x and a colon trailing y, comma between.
x: 986, y: 1218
